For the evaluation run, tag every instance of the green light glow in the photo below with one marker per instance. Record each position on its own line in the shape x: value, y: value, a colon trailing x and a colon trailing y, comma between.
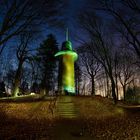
x: 72, y: 53
x: 68, y: 57
x: 16, y: 91
x: 68, y: 73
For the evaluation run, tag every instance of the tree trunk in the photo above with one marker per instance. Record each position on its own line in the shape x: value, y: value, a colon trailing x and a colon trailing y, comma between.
x: 93, y: 86
x: 117, y: 90
x: 124, y: 92
x: 17, y: 80
x: 83, y: 89
x: 60, y: 88
x: 44, y: 90
x: 16, y: 87
x: 113, y: 90
x: 78, y: 87
x: 107, y: 87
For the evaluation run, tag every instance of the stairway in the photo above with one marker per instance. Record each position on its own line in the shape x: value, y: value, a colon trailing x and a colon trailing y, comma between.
x: 66, y: 108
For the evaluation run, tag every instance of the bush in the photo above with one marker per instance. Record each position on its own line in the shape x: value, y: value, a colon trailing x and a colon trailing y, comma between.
x: 133, y: 95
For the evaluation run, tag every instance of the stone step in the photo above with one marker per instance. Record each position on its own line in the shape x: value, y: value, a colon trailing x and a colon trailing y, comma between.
x: 73, y: 112
x: 62, y: 105
x: 69, y: 117
x: 65, y: 105
x: 67, y: 111
x: 67, y: 114
x: 61, y: 111
x: 66, y: 108
x: 65, y: 102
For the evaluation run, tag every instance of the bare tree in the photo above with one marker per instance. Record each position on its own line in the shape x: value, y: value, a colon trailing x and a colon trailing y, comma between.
x: 133, y: 5
x: 127, y: 13
x: 78, y: 77
x: 90, y: 66
x: 22, y: 55
x: 101, y: 45
x: 18, y: 16
x: 126, y: 70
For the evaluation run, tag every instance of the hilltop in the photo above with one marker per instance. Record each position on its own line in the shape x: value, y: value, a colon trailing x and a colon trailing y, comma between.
x: 95, y: 118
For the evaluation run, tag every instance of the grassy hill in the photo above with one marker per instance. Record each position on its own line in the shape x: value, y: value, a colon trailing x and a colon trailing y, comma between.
x: 98, y: 119
x: 97, y: 107
x: 105, y: 121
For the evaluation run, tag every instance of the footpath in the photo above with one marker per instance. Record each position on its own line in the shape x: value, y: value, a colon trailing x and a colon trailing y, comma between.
x: 69, y: 126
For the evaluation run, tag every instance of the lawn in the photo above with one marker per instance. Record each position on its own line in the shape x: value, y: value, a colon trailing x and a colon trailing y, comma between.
x: 25, y: 120
x: 98, y: 119
x: 105, y: 121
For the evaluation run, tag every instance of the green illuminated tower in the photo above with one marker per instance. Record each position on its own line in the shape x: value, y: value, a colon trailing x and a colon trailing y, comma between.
x: 66, y: 70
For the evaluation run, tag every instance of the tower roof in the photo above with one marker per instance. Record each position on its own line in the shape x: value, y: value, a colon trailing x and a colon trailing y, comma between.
x: 67, y: 45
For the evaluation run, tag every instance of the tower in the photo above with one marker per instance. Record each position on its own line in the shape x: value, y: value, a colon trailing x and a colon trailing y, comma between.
x: 67, y: 57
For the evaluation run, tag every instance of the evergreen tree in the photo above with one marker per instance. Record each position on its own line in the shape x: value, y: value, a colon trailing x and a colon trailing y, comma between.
x: 48, y: 63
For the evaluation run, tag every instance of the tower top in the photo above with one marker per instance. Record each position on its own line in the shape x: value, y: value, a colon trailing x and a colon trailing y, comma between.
x: 67, y: 34
x: 67, y: 44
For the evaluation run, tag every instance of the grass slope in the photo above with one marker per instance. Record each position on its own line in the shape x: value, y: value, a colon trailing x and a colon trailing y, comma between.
x: 105, y: 121
x: 98, y: 119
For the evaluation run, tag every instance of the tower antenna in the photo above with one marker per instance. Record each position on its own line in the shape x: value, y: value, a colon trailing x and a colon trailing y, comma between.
x: 67, y: 34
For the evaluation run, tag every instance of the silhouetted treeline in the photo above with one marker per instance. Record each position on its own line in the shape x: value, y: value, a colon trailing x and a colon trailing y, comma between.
x: 114, y: 42
x: 109, y: 48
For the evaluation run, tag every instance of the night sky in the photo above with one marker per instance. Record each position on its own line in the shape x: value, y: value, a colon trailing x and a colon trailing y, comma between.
x: 70, y: 14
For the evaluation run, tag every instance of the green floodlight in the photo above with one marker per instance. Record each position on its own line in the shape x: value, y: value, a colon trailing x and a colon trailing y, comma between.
x: 67, y: 59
